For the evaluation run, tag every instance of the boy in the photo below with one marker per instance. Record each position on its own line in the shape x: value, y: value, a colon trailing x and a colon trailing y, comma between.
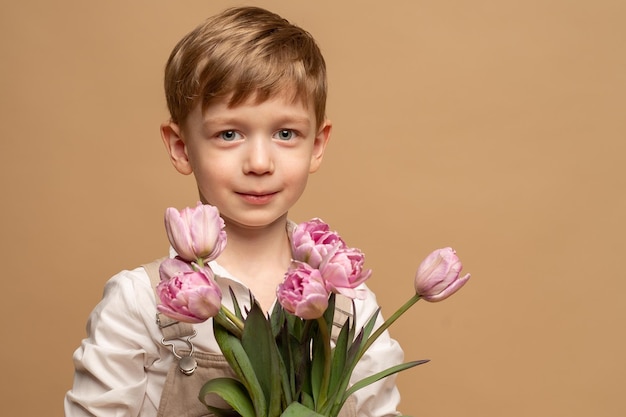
x: 246, y: 91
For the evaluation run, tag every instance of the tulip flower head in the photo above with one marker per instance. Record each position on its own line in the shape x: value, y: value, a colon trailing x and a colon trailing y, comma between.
x: 313, y: 241
x: 303, y: 292
x: 188, y: 293
x: 196, y: 232
x: 343, y: 272
x: 438, y: 276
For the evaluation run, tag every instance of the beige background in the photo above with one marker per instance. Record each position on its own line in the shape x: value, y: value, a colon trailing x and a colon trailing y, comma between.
x: 496, y: 127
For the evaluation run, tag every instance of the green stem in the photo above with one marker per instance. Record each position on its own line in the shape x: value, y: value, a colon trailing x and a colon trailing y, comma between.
x: 388, y: 323
x: 227, y: 324
x: 232, y: 317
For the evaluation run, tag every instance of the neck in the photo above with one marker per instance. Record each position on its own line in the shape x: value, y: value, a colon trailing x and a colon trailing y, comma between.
x: 258, y: 257
x: 249, y: 249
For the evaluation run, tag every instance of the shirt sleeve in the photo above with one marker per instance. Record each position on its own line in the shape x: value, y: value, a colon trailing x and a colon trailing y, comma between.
x: 381, y: 398
x: 110, y: 365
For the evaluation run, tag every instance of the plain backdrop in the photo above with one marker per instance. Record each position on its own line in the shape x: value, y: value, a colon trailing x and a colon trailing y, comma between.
x: 496, y: 127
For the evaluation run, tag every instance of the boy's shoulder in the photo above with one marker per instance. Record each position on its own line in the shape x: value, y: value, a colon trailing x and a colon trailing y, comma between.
x: 129, y: 291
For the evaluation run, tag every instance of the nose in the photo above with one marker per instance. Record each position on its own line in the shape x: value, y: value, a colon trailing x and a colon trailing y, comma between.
x: 259, y: 158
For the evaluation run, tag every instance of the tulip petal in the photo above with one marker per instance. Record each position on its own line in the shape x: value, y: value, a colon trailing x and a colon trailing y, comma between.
x: 178, y: 234
x: 177, y: 316
x: 447, y: 292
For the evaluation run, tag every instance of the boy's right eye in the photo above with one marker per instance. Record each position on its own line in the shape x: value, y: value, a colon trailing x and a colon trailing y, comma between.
x: 229, y: 135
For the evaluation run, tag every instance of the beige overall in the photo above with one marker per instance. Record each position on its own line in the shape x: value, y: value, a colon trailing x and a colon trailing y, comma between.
x: 180, y: 392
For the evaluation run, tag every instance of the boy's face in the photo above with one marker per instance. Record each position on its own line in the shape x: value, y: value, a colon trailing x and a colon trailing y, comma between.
x: 251, y: 161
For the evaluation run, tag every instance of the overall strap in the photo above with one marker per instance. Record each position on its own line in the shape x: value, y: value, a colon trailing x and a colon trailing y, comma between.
x: 171, y: 329
x: 343, y: 312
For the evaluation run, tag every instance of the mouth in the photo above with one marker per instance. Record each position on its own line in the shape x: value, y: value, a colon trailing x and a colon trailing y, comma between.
x: 257, y: 197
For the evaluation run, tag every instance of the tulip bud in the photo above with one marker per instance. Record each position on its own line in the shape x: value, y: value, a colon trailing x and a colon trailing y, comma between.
x: 187, y: 294
x: 438, y: 276
x: 196, y: 233
x: 303, y: 292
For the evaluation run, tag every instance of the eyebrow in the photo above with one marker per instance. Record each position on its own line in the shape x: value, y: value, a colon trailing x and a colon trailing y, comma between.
x: 295, y: 119
x: 226, y: 120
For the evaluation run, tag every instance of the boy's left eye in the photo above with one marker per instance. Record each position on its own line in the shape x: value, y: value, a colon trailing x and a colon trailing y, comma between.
x: 229, y: 135
x: 284, y: 134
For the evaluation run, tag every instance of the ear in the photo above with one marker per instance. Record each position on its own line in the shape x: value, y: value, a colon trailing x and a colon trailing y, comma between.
x: 319, y: 146
x: 176, y: 148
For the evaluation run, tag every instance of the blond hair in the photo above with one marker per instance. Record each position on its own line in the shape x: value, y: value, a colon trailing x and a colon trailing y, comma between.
x: 242, y: 53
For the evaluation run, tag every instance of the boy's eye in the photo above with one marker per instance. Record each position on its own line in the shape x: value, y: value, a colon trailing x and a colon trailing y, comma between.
x: 229, y: 135
x: 284, y: 134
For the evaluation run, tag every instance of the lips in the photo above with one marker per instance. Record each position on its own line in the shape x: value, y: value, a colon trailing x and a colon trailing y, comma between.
x: 257, y: 197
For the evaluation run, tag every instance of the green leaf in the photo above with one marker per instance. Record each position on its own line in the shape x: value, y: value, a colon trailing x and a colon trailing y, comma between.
x: 299, y: 410
x: 236, y: 306
x: 297, y: 326
x: 317, y: 367
x: 353, y: 355
x: 356, y: 350
x: 277, y: 319
x: 256, y: 341
x: 240, y: 363
x: 231, y: 391
x: 338, y: 365
x: 353, y: 327
x: 285, y: 381
x: 260, y: 345
x: 329, y: 314
x: 283, y: 355
x: 382, y: 374
x: 286, y: 360
x: 301, y: 354
x: 307, y: 401
x: 369, y: 326
x: 222, y: 412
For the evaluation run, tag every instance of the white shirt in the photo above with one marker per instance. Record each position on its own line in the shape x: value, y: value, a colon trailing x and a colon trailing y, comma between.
x: 121, y: 365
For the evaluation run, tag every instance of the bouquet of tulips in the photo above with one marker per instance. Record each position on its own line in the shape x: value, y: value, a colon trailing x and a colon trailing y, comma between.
x: 285, y: 363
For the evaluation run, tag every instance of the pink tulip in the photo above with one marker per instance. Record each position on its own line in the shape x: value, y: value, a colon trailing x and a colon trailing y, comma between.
x: 438, y: 276
x: 187, y: 294
x: 303, y: 292
x: 313, y: 241
x: 196, y: 232
x: 343, y: 272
